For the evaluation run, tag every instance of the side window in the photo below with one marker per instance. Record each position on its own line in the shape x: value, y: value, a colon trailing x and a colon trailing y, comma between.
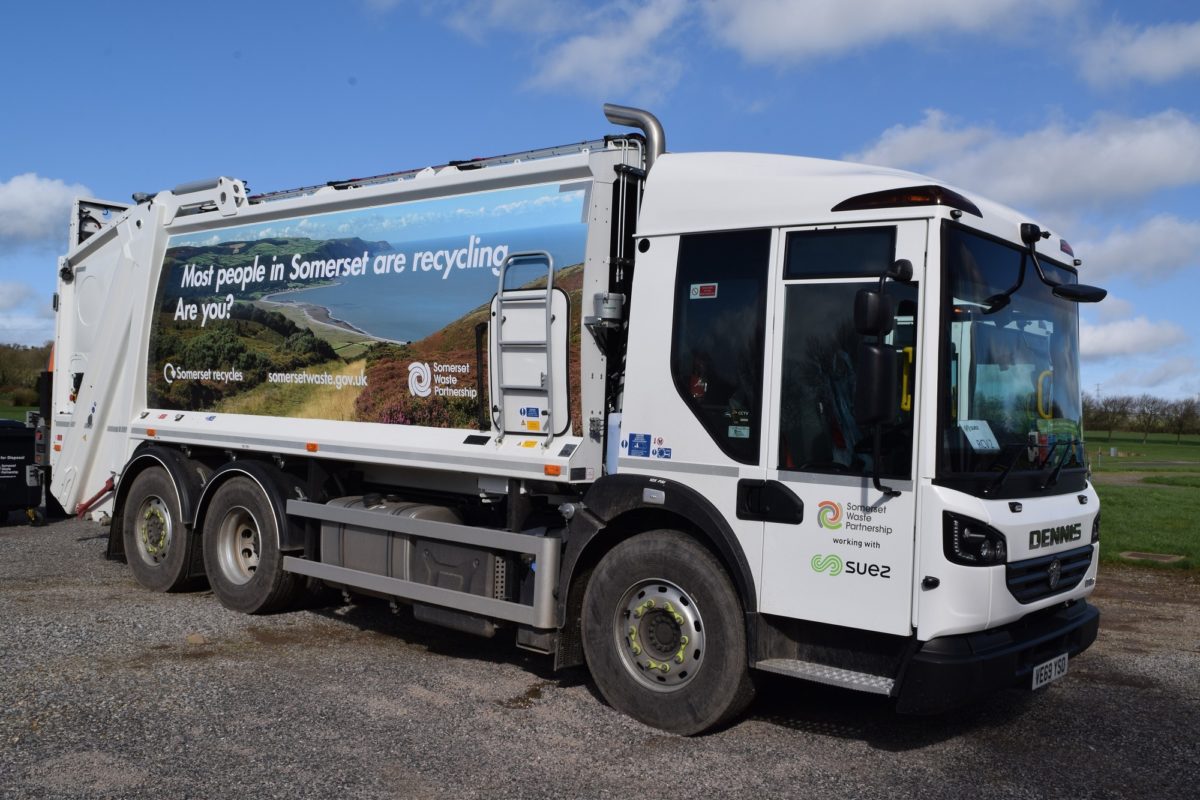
x: 840, y: 253
x: 717, y: 339
x: 818, y: 432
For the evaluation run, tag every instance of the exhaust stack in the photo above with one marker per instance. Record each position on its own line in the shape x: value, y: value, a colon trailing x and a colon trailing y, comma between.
x: 647, y: 123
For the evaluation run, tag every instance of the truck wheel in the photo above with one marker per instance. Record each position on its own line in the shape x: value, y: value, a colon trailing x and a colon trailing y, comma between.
x: 663, y: 634
x: 157, y: 540
x: 241, y: 550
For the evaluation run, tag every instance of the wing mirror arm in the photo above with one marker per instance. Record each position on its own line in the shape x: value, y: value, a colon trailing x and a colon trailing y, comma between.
x: 1075, y: 292
x: 877, y: 381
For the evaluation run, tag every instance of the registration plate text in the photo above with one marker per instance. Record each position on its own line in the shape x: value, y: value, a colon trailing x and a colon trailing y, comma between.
x: 1049, y: 671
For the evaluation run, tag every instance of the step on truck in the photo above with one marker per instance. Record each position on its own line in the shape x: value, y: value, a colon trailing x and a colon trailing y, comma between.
x: 680, y: 417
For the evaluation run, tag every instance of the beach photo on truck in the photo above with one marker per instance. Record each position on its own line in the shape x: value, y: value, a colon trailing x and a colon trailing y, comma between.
x: 367, y: 315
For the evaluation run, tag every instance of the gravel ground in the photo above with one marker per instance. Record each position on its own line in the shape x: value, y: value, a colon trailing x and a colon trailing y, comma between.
x: 107, y: 691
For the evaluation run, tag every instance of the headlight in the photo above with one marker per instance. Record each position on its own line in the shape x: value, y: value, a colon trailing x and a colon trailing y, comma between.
x: 971, y: 543
x: 1096, y: 528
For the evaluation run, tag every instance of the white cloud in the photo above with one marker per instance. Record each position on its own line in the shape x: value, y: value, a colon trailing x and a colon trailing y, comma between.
x: 771, y: 31
x: 36, y: 210
x: 623, y: 52
x: 1155, y: 54
x: 476, y: 18
x: 1107, y: 158
x: 1154, y: 377
x: 600, y: 49
x: 22, y: 327
x: 1112, y: 308
x: 13, y: 294
x: 1162, y: 245
x: 1130, y: 337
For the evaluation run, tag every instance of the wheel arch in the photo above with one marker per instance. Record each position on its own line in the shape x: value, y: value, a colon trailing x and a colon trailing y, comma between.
x: 187, y: 476
x: 276, y: 485
x: 615, y: 509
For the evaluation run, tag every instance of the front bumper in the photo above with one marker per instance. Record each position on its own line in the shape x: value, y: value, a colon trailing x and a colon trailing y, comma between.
x: 952, y: 670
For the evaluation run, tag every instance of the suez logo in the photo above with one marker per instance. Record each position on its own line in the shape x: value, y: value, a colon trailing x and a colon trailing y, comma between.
x: 835, y: 566
x: 1060, y: 534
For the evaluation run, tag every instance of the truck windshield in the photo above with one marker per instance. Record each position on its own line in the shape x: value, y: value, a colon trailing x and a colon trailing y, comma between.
x: 1010, y: 362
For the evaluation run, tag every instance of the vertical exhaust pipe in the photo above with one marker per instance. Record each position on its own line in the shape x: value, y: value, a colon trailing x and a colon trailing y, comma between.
x: 647, y: 123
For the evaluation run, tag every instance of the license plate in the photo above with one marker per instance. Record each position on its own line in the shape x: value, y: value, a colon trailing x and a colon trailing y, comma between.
x: 1049, y: 671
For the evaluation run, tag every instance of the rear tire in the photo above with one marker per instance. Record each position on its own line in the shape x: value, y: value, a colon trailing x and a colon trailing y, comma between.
x: 241, y: 550
x: 157, y: 539
x: 664, y: 635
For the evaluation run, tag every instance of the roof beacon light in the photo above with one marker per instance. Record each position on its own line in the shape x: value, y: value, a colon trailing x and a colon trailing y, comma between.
x: 909, y: 196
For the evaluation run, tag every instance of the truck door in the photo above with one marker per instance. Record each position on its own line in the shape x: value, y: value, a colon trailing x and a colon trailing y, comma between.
x: 849, y: 561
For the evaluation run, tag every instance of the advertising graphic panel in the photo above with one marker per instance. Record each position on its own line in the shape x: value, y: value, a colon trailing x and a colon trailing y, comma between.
x: 366, y: 315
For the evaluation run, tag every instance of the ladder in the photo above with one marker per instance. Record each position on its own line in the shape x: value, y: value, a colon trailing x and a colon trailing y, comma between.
x: 522, y: 360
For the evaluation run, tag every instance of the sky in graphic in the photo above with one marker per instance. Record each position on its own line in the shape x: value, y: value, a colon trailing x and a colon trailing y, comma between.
x: 485, y: 212
x: 1083, y: 113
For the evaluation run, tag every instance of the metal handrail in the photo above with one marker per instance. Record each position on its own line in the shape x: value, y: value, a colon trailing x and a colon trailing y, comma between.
x: 525, y: 255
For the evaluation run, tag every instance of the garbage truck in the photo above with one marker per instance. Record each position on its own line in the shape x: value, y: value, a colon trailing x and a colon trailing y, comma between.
x: 682, y: 418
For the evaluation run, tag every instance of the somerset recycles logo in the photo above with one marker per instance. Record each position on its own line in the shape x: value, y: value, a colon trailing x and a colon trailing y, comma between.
x: 831, y: 564
x: 420, y: 379
x: 829, y: 514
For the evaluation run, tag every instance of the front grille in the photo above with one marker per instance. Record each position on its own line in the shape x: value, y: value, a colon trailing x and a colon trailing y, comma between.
x: 1029, y: 580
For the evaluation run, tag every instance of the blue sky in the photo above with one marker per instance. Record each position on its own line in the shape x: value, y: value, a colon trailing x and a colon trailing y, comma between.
x: 1085, y: 113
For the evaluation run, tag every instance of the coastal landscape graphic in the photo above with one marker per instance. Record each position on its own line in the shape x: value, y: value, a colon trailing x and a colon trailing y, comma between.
x: 322, y: 316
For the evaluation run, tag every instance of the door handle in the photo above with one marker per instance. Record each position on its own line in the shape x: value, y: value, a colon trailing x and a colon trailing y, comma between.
x: 768, y: 501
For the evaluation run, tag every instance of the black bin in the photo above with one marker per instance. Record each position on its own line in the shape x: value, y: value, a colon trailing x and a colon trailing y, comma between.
x: 16, y: 458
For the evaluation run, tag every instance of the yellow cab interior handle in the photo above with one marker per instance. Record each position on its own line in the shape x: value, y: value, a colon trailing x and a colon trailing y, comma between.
x: 1043, y: 411
x: 906, y: 398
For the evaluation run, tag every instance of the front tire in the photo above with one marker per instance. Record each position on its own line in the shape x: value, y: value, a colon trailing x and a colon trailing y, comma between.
x: 664, y: 636
x: 241, y: 550
x: 157, y: 540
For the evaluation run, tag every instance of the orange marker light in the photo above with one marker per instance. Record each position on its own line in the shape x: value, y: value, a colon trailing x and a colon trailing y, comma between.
x: 553, y: 470
x: 152, y: 431
x: 311, y: 447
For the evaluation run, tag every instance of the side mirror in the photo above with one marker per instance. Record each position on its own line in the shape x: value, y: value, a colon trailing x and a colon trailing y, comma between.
x: 877, y: 374
x: 902, y: 270
x: 1079, y: 293
x: 874, y: 313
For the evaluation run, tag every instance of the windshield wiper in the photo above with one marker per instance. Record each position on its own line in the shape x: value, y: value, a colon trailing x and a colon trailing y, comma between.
x: 1016, y: 447
x: 1062, y: 461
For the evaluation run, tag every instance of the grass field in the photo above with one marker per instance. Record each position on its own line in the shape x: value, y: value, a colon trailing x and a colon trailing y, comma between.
x: 1150, y: 496
x: 14, y: 412
x: 1150, y: 519
x: 1160, y: 452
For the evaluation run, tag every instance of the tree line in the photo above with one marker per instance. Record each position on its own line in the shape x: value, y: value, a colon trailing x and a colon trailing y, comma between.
x: 20, y: 366
x: 1144, y: 414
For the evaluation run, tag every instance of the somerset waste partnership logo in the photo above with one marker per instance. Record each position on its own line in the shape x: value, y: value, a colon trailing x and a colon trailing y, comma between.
x: 829, y: 515
x: 420, y: 379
